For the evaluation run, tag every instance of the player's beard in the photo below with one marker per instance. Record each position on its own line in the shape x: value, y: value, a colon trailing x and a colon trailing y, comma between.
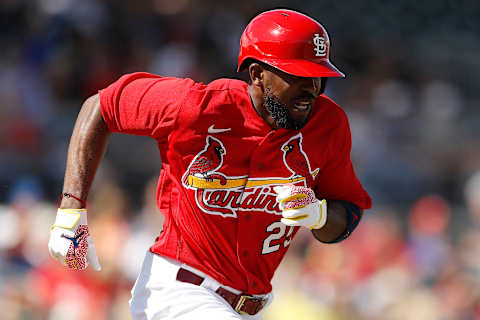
x: 279, y: 112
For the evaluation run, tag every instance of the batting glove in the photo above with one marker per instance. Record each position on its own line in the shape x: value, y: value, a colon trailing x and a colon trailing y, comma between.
x: 70, y: 242
x: 300, y: 207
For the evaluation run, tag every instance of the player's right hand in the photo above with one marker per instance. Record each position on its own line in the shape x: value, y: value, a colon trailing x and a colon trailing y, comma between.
x: 70, y: 242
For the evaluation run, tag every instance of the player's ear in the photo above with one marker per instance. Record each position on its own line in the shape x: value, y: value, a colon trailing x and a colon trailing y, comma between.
x: 256, y: 72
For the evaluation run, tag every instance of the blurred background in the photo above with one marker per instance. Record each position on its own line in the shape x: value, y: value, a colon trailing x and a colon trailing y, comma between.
x: 411, y: 94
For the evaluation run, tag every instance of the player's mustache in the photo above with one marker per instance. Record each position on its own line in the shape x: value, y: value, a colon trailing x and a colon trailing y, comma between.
x: 306, y: 96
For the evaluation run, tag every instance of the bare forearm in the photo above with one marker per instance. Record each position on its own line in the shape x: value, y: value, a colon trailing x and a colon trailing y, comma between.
x: 337, y: 220
x: 86, y: 149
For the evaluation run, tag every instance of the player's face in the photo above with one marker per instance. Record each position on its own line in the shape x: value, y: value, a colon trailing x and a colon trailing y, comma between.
x: 289, y: 99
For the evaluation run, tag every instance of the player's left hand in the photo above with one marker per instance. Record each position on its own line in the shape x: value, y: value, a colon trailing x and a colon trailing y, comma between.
x: 300, y: 207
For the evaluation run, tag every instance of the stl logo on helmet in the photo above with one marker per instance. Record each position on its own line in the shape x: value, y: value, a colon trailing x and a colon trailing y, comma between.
x: 320, y: 46
x: 219, y: 194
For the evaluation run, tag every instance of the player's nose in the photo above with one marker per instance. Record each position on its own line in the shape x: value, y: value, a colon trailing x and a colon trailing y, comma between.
x: 311, y: 85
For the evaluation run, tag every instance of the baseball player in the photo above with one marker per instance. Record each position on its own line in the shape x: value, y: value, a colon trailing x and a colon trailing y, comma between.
x: 244, y: 167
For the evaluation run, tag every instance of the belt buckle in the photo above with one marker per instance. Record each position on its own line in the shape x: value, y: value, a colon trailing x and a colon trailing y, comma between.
x: 242, y: 300
x: 240, y: 303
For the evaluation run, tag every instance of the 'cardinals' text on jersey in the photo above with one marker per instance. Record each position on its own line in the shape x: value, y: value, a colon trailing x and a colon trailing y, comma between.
x: 220, y: 162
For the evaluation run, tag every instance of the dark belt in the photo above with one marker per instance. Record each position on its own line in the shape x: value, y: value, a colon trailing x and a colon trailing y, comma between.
x: 241, y: 303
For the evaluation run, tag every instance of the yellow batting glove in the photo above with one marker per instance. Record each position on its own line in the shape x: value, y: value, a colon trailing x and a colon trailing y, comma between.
x: 300, y: 207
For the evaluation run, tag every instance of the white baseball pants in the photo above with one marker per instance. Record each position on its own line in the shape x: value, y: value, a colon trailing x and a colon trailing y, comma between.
x: 158, y: 295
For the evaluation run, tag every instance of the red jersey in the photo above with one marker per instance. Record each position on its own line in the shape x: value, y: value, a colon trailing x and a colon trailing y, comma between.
x: 220, y: 162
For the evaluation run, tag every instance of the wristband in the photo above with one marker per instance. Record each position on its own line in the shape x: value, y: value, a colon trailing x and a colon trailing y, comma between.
x: 69, y: 195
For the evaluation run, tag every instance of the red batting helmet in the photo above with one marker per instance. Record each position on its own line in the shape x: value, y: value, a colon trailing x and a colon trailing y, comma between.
x: 289, y: 41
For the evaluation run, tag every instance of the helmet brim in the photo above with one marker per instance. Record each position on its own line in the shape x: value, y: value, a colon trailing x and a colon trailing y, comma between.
x: 302, y: 68
x: 306, y: 68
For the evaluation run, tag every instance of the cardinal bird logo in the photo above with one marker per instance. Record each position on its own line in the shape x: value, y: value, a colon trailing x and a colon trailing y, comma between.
x: 218, y: 193
x: 297, y: 161
x: 207, y: 162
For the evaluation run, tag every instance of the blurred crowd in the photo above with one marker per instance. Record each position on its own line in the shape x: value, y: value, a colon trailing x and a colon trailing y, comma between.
x: 411, y: 94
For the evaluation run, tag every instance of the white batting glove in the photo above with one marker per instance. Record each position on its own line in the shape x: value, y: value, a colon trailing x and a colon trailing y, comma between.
x: 70, y: 242
x: 300, y: 207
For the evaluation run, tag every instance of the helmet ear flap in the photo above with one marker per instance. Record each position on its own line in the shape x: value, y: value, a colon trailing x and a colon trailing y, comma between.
x: 245, y: 64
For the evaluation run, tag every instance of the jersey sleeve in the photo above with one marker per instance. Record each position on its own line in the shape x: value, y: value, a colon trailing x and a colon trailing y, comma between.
x: 143, y: 104
x: 337, y: 180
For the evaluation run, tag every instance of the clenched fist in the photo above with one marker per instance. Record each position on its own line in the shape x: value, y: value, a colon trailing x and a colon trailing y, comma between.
x: 70, y: 242
x: 300, y: 207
